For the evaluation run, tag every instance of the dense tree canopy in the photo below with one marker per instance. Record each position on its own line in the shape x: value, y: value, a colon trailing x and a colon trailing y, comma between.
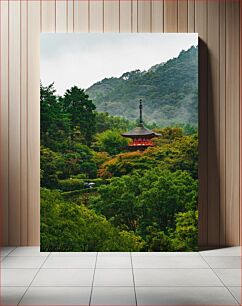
x: 81, y: 110
x: 54, y: 123
x: 136, y: 202
x: 110, y: 141
x: 96, y: 196
x: 67, y: 226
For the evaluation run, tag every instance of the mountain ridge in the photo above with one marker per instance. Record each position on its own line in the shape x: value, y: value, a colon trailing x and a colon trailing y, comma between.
x: 169, y: 91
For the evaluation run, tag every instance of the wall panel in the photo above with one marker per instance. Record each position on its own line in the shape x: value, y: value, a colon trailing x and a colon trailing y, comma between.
x: 182, y: 16
x: 217, y: 23
x: 111, y: 16
x: 4, y: 187
x: 14, y: 121
x: 171, y: 15
x: 48, y: 16
x: 222, y: 127
x: 81, y: 16
x: 96, y: 16
x: 33, y: 212
x: 144, y: 16
x: 191, y: 15
x: 24, y: 123
x: 134, y: 15
x: 61, y: 16
x: 157, y: 16
x: 201, y: 28
x: 232, y: 122
x: 125, y: 16
x: 70, y: 15
x: 213, y: 123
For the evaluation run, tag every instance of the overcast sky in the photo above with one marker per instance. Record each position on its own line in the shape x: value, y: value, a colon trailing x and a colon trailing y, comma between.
x: 84, y: 58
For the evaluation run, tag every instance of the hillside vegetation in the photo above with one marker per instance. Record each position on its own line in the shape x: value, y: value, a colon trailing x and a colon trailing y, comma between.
x: 169, y: 91
x: 96, y: 196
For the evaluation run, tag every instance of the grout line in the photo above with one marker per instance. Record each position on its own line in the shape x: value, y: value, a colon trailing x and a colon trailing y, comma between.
x: 10, y: 252
x: 33, y: 278
x: 90, y: 299
x: 232, y: 294
x: 220, y: 279
x: 143, y: 286
x: 135, y: 295
x: 91, y: 268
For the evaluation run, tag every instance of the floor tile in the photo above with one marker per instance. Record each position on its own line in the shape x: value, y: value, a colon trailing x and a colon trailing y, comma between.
x: 230, y: 251
x: 4, y: 251
x: 236, y: 292
x: 219, y: 262
x: 17, y: 277
x: 11, y: 295
x: 184, y: 296
x: 113, y: 296
x: 64, y: 277
x: 164, y: 254
x: 57, y: 296
x: 113, y: 262
x: 169, y: 262
x: 28, y: 251
x: 230, y: 277
x: 23, y: 262
x: 73, y: 254
x: 70, y: 262
x: 113, y: 277
x: 113, y: 254
x: 175, y: 277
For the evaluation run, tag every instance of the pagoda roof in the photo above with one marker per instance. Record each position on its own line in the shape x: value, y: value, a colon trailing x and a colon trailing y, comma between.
x: 142, y: 131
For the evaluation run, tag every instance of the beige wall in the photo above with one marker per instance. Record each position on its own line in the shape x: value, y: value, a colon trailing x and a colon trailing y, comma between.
x: 217, y: 23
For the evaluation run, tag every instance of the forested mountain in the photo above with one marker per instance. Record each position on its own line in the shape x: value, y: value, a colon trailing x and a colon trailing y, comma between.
x: 169, y: 92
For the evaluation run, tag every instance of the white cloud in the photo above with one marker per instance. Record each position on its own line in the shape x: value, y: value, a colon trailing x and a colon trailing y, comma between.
x: 84, y: 58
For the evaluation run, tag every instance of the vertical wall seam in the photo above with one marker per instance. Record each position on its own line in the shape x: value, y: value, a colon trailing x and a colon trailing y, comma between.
x: 103, y: 16
x: 177, y: 17
x: 66, y: 15
x: 151, y: 28
x: 194, y: 17
x: 187, y: 18
x: 1, y: 155
x: 9, y: 233
x: 20, y: 114
x: 219, y: 116
x: 207, y: 105
x: 27, y: 117
x: 177, y: 13
x: 40, y: 15
x: 88, y: 21
x: 73, y: 14
x: 225, y: 212
x: 239, y: 119
x: 119, y: 16
x: 131, y: 16
x: 55, y: 16
x: 137, y: 12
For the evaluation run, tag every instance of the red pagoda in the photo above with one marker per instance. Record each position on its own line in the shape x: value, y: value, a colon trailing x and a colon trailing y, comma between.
x: 141, y: 136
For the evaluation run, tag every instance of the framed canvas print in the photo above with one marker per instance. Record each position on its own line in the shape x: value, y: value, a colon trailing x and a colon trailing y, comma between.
x: 119, y: 142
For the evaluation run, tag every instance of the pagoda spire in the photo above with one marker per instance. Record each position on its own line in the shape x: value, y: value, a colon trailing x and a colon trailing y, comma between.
x: 140, y: 135
x: 140, y: 112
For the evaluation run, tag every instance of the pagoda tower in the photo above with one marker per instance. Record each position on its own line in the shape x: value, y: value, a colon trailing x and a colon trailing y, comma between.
x: 141, y: 136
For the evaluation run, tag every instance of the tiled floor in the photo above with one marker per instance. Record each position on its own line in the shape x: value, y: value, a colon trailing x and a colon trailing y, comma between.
x: 29, y: 277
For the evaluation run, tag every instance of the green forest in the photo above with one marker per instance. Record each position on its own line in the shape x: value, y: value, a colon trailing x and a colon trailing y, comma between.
x: 98, y: 196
